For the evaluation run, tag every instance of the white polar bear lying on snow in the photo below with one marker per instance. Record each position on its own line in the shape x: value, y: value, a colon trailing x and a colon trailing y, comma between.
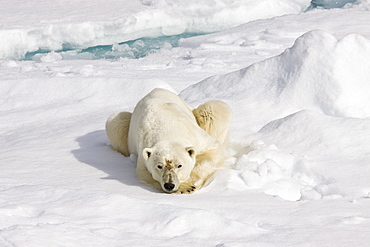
x: 178, y: 148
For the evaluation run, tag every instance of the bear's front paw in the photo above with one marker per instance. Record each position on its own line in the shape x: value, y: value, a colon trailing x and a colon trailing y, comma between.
x: 186, y: 188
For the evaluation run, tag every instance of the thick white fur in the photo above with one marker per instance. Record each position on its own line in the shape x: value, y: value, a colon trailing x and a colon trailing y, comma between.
x: 215, y: 118
x: 163, y: 131
x: 117, y: 127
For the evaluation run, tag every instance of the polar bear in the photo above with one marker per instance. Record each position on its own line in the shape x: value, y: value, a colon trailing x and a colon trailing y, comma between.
x: 177, y: 147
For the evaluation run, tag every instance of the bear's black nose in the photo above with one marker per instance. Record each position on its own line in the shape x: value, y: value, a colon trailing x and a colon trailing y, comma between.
x: 169, y: 186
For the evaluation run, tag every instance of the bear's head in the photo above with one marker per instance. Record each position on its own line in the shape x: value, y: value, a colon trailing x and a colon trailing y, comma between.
x: 170, y: 164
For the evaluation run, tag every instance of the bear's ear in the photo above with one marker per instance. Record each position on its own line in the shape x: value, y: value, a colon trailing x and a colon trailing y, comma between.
x: 191, y: 151
x: 147, y: 152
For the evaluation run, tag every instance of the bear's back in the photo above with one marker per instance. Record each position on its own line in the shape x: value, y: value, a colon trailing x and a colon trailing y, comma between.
x: 160, y: 115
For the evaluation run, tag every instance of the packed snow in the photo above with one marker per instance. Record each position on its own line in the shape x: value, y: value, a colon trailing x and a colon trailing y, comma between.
x: 296, y: 75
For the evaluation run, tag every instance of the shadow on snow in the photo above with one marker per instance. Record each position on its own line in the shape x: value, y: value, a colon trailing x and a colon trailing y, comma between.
x: 95, y: 152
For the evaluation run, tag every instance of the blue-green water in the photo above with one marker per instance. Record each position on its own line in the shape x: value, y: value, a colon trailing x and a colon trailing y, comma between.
x: 130, y: 49
x: 139, y: 48
x: 328, y: 4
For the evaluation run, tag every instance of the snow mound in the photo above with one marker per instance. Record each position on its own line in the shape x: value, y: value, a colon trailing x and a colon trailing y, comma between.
x: 263, y: 167
x: 152, y: 18
x: 278, y: 160
x: 326, y: 76
x: 319, y: 73
x: 312, y: 134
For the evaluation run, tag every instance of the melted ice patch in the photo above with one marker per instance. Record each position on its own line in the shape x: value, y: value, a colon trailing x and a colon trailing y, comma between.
x: 132, y: 49
x: 329, y: 4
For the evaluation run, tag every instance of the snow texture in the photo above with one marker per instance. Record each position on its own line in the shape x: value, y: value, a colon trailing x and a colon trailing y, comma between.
x: 298, y: 83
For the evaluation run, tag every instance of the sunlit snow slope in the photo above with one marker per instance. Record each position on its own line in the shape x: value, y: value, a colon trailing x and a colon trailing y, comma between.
x: 319, y: 73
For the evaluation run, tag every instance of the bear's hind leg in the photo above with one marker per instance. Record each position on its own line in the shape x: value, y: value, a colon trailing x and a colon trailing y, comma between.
x: 215, y: 118
x: 117, y: 127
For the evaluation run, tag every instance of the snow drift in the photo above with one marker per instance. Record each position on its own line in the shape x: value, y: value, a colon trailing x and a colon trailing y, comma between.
x: 308, y: 134
x: 318, y: 73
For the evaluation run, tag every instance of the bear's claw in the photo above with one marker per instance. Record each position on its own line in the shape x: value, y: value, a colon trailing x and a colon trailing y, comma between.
x: 186, y: 188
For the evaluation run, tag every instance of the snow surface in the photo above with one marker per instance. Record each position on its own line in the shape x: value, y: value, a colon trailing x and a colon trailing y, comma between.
x: 298, y: 84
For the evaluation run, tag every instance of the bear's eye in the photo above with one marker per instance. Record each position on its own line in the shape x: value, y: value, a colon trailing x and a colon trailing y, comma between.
x: 159, y: 167
x: 179, y: 166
